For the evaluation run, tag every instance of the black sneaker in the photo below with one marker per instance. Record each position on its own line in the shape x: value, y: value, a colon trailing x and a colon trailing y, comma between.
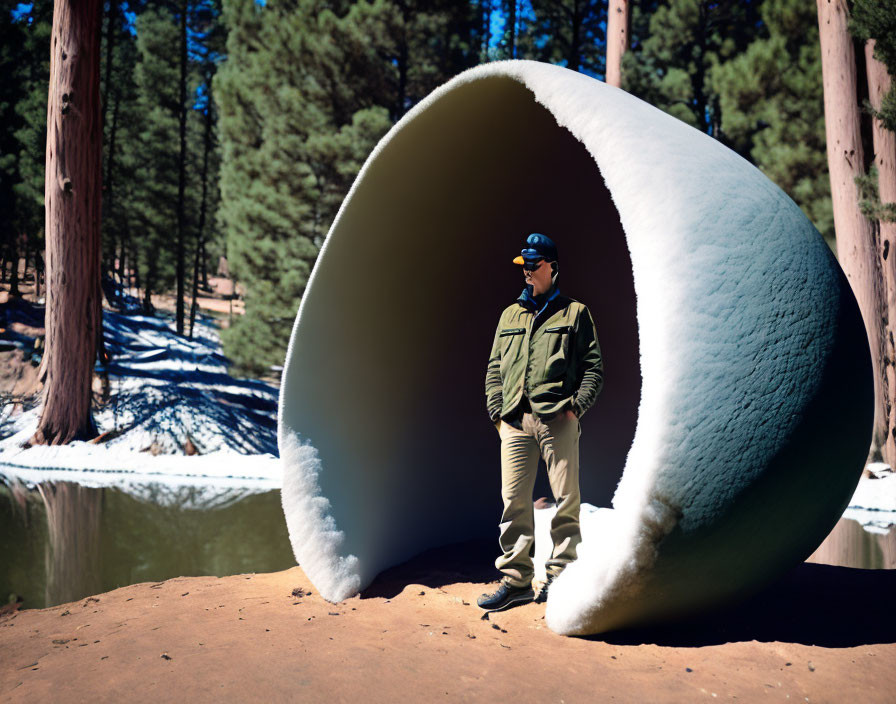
x: 505, y: 597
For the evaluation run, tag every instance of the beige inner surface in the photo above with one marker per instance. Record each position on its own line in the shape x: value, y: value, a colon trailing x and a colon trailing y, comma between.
x: 386, y: 375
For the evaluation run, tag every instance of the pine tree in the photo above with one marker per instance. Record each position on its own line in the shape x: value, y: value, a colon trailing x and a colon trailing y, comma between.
x: 121, y: 152
x: 266, y: 184
x: 294, y: 132
x: 31, y: 134
x: 205, y: 148
x: 12, y: 43
x: 772, y: 103
x: 570, y: 33
x: 670, y: 63
x: 409, y: 46
x: 155, y: 197
x: 292, y: 141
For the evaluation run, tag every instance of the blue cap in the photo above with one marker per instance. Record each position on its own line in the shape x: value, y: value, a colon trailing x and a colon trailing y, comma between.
x: 538, y: 247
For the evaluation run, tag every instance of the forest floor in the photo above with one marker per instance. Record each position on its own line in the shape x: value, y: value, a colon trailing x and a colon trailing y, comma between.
x: 416, y: 635
x: 18, y: 372
x: 165, y: 405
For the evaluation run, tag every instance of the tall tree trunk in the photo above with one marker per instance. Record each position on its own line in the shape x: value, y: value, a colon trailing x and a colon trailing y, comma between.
x: 108, y: 184
x: 14, y: 267
x: 205, y: 286
x: 149, y: 281
x: 182, y: 169
x: 111, y: 16
x: 73, y: 204
x: 618, y: 21
x: 122, y: 265
x: 575, y: 40
x: 110, y: 45
x: 699, y: 79
x: 200, y: 242
x: 38, y: 268
x: 511, y: 21
x: 485, y: 10
x: 193, y: 304
x: 402, y: 61
x: 134, y: 271
x: 885, y: 161
x: 856, y: 245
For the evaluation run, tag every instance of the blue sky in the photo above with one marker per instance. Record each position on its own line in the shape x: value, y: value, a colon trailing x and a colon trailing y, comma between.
x: 21, y: 9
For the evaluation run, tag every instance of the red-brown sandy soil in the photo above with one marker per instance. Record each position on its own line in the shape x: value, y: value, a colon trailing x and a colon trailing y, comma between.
x: 822, y: 634
x: 219, y: 299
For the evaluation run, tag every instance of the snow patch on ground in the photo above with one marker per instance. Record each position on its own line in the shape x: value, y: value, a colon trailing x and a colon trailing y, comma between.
x: 874, y: 502
x: 166, y: 392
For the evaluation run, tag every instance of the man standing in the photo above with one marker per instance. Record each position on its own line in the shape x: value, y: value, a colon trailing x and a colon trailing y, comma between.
x: 543, y: 373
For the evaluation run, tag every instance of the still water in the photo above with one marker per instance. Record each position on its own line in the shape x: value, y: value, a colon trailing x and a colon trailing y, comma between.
x: 63, y: 541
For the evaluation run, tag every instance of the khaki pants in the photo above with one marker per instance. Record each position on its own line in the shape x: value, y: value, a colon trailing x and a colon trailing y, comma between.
x: 557, y: 441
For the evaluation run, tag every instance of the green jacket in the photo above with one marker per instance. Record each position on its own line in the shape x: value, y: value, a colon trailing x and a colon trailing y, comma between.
x: 557, y: 365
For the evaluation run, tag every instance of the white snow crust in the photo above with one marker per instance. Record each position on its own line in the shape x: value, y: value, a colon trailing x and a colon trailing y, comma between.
x: 874, y: 504
x: 754, y: 413
x: 164, y: 389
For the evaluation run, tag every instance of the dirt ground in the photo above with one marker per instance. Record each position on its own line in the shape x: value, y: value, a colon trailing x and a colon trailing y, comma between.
x: 416, y: 635
x: 217, y: 299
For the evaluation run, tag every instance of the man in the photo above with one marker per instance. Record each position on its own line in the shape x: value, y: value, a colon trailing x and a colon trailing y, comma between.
x: 543, y: 373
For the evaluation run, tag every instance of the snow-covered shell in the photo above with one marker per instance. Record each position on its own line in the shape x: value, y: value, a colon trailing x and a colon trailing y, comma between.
x: 748, y: 353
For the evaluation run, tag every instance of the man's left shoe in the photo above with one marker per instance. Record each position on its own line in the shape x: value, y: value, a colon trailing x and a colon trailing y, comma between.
x: 505, y: 597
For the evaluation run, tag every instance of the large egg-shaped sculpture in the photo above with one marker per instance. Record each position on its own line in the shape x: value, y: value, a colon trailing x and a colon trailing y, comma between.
x: 736, y: 411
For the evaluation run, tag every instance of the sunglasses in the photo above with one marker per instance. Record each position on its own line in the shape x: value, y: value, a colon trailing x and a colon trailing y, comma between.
x: 532, y: 266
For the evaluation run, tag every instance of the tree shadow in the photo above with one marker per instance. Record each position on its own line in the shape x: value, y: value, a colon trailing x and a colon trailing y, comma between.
x: 172, y: 378
x: 813, y: 604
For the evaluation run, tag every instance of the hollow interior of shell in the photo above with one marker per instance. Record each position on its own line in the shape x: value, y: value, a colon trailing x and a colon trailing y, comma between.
x: 385, y: 374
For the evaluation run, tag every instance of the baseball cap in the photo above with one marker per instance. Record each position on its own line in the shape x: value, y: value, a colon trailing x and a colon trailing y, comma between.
x: 538, y: 246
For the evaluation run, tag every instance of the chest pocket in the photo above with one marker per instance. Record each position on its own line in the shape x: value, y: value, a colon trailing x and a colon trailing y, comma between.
x: 556, y: 350
x: 511, y: 339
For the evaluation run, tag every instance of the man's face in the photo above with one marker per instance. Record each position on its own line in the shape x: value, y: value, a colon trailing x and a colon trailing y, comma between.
x: 540, y: 278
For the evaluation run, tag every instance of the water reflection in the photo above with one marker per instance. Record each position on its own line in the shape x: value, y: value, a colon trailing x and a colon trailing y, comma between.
x: 72, y: 551
x: 850, y: 545
x: 64, y: 541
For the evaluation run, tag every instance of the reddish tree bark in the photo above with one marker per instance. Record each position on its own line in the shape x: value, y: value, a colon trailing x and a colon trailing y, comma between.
x: 885, y: 160
x: 856, y: 240
x: 73, y: 202
x: 618, y: 17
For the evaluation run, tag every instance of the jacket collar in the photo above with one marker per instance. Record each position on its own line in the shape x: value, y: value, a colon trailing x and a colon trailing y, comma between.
x: 537, y: 304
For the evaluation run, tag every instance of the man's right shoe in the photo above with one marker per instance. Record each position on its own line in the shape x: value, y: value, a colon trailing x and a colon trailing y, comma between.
x: 505, y: 597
